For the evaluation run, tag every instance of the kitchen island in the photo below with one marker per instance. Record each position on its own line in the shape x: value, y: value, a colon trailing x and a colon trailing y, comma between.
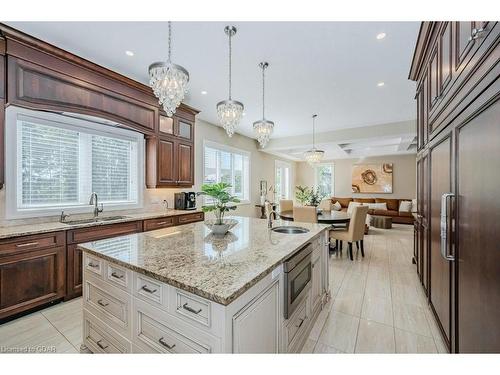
x: 184, y: 290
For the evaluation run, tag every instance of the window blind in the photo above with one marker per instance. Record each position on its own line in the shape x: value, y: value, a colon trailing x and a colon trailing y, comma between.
x: 111, y: 168
x: 49, y: 164
x: 222, y: 165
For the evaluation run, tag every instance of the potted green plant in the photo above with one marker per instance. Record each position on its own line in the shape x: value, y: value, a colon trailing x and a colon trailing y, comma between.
x: 302, y: 194
x: 221, y: 202
x: 315, y: 198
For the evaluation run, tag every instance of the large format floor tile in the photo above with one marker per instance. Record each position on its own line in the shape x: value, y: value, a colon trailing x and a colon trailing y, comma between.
x: 377, y: 306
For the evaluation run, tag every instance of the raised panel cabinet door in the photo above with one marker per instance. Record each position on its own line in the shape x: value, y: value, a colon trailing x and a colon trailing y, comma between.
x: 30, y: 279
x: 464, y: 41
x: 185, y: 167
x: 74, y: 272
x: 440, y: 269
x: 166, y: 125
x: 166, y: 162
x: 256, y: 326
x: 478, y: 234
x: 184, y: 129
x: 434, y: 79
x: 445, y: 61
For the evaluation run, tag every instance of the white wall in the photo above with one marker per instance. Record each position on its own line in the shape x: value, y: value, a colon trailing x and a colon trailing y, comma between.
x: 262, y: 168
x: 404, y: 176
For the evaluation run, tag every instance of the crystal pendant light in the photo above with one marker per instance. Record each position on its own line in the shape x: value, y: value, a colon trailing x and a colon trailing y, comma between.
x: 168, y: 81
x: 230, y: 111
x: 314, y: 155
x: 263, y: 128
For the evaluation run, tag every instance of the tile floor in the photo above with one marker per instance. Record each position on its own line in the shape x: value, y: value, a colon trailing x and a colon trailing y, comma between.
x: 377, y: 306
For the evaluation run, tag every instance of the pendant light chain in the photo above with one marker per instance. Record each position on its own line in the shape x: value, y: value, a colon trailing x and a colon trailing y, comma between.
x: 230, y: 63
x: 263, y: 91
x: 314, y: 117
x: 169, y: 40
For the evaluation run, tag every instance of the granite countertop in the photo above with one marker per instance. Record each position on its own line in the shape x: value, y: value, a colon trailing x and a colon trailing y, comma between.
x: 191, y: 258
x: 37, y: 228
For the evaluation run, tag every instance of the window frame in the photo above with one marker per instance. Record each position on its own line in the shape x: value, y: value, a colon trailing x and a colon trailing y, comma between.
x: 283, y: 164
x: 83, y: 123
x: 232, y: 150
x: 316, y: 168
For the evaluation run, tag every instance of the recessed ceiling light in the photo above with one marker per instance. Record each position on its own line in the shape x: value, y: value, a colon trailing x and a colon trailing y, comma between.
x: 244, y: 113
x: 380, y: 84
x: 204, y: 92
x: 129, y: 53
x: 381, y: 36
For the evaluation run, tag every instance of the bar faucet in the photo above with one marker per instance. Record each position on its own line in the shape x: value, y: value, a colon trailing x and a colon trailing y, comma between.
x: 93, y: 201
x: 270, y: 213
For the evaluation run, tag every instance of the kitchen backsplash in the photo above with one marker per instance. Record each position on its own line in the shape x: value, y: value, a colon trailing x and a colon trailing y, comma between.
x: 152, y: 201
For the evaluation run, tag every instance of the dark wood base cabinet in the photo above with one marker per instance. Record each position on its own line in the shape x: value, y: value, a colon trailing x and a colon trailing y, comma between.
x: 32, y: 272
x: 457, y: 69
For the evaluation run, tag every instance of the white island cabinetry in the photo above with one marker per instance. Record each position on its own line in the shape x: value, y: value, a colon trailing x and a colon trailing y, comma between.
x: 127, y: 311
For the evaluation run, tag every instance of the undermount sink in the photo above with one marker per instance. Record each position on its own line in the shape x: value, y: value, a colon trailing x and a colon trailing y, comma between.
x: 92, y: 220
x: 290, y: 230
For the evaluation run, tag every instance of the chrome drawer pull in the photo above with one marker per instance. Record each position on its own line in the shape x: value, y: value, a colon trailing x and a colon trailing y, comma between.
x: 27, y: 244
x: 165, y: 344
x: 301, y: 322
x: 99, y: 301
x: 100, y: 345
x: 94, y: 265
x: 146, y: 289
x: 190, y: 309
x: 114, y: 274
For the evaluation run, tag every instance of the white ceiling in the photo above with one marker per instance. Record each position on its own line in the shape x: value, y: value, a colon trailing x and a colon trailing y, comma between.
x: 328, y: 68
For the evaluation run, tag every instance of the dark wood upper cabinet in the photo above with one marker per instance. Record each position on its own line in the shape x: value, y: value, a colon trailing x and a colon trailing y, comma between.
x: 166, y: 125
x: 464, y: 41
x: 185, y: 163
x: 445, y: 57
x: 166, y: 162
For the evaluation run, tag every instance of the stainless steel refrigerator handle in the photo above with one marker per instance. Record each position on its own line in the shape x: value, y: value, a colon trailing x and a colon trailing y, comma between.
x: 444, y: 226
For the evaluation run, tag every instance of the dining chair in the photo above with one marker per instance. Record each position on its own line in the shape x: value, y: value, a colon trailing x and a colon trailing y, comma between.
x: 355, y: 232
x: 286, y: 205
x: 305, y: 214
x: 325, y: 204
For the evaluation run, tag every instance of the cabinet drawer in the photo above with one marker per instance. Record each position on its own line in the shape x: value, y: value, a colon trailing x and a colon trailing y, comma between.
x: 193, y: 308
x: 93, y: 264
x: 190, y: 218
x: 162, y: 222
x: 26, y: 243
x: 112, y: 308
x: 150, y: 290
x: 297, y: 324
x: 157, y: 335
x: 103, y: 231
x: 101, y: 339
x: 118, y: 276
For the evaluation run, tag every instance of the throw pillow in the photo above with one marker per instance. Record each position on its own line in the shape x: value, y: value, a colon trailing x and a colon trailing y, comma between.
x: 337, y: 206
x: 377, y: 206
x: 405, y: 206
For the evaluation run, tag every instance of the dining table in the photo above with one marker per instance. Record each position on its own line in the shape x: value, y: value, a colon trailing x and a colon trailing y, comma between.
x: 325, y: 217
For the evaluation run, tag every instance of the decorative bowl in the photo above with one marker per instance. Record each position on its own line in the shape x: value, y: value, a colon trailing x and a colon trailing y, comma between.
x: 221, y: 229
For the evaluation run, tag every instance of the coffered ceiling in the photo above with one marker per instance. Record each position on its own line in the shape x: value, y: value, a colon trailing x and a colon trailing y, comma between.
x: 334, y: 69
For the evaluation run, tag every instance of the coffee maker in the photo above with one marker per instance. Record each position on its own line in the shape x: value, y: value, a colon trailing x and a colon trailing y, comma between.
x: 185, y: 201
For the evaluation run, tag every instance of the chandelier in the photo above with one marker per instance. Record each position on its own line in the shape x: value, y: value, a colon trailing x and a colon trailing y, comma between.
x: 230, y: 111
x: 263, y: 128
x: 314, y: 155
x: 168, y: 81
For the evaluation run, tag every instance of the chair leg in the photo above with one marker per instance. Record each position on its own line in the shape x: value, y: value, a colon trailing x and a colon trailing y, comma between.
x: 362, y: 249
x: 340, y: 247
x: 350, y: 251
x: 357, y: 245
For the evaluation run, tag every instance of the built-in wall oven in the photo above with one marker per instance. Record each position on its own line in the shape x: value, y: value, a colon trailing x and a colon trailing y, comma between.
x: 298, y: 271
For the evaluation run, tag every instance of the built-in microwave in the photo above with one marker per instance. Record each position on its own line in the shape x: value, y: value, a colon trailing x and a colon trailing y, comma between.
x: 298, y: 272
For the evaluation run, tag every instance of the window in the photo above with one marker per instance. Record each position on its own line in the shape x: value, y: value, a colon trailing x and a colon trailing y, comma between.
x: 226, y: 164
x: 60, y: 160
x: 324, y: 180
x: 282, y: 180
